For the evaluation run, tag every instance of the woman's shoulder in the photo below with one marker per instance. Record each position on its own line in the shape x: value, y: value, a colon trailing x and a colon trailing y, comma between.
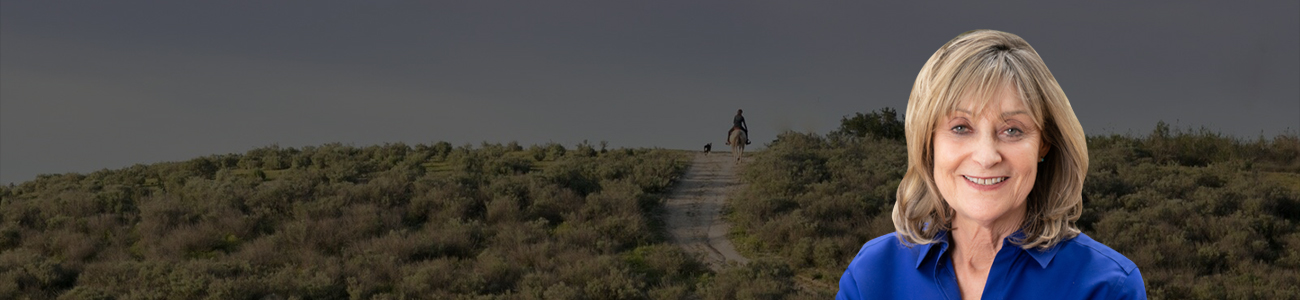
x: 881, y: 245
x: 1089, y: 265
x: 1083, y: 248
x: 888, y: 249
x: 887, y: 267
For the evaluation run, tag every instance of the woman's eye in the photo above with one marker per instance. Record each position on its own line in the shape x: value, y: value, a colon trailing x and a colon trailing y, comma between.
x: 960, y: 129
x: 1013, y: 131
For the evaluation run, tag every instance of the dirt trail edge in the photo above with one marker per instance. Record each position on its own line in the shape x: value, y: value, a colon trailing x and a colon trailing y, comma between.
x: 694, y: 210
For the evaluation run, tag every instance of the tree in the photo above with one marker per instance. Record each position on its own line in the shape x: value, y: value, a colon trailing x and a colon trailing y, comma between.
x: 883, y: 123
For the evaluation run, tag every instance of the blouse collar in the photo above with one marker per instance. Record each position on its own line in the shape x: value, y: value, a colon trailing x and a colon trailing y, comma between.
x: 1043, y: 257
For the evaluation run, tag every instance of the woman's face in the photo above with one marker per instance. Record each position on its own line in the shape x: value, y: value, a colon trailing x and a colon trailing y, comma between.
x: 985, y: 165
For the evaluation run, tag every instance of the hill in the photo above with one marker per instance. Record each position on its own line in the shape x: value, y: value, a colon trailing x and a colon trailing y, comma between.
x: 1203, y: 215
x: 339, y: 222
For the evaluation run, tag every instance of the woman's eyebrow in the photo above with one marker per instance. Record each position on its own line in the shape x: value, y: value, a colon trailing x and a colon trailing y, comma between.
x: 1012, y: 113
x: 1004, y: 115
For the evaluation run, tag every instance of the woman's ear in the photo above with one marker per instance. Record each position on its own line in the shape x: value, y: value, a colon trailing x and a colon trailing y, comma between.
x: 1042, y: 150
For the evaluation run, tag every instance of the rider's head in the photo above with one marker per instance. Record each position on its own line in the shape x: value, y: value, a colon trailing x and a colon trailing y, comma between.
x: 740, y: 111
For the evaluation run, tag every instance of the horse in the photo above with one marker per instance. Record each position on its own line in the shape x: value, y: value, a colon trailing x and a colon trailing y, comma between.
x: 737, y: 139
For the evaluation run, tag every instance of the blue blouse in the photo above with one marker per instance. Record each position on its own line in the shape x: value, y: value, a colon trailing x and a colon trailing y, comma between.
x: 1078, y: 268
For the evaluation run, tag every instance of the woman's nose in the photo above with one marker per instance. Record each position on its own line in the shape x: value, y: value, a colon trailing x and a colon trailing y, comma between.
x: 986, y: 152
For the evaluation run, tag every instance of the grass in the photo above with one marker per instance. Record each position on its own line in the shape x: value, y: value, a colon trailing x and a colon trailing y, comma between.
x: 1289, y: 180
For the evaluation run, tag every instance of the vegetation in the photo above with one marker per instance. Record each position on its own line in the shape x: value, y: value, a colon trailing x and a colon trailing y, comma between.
x: 884, y: 123
x: 1203, y: 215
x: 341, y: 222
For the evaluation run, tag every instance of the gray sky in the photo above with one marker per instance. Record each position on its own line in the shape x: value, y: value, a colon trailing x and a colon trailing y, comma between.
x: 87, y: 85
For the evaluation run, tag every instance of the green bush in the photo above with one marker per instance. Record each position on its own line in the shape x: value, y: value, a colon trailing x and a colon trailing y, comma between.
x: 1203, y: 215
x: 881, y: 124
x: 336, y: 221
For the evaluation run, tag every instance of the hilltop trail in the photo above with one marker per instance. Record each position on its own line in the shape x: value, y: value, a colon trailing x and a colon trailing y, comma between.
x: 694, y: 209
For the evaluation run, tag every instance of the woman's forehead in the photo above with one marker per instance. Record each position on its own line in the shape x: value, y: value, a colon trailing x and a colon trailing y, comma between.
x: 1000, y: 102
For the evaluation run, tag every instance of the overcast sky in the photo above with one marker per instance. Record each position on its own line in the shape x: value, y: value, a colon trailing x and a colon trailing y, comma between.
x: 87, y: 85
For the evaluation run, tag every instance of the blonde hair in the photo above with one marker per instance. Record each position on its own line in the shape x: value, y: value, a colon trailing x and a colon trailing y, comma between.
x: 978, y: 63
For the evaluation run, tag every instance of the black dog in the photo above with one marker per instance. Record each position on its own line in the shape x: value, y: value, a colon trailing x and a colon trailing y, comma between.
x: 708, y: 147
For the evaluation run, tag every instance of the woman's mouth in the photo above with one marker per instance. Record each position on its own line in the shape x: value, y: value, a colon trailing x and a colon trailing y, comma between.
x: 985, y: 181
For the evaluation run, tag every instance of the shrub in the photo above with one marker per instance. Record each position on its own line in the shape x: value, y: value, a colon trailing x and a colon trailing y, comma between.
x: 881, y: 124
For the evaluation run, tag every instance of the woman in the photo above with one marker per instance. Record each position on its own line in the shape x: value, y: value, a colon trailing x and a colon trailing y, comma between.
x: 996, y: 163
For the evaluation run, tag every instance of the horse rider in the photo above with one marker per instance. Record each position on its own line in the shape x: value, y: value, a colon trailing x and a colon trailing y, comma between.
x: 738, y: 123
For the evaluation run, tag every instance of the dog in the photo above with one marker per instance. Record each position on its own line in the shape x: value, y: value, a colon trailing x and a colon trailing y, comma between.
x: 708, y: 147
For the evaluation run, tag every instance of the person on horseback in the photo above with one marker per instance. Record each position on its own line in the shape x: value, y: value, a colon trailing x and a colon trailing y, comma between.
x: 738, y: 123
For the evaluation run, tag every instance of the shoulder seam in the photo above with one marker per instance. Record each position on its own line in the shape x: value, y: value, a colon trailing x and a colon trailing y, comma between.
x: 879, y: 240
x: 1127, y: 268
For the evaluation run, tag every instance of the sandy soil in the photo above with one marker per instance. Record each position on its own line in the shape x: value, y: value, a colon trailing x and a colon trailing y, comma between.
x: 695, y: 209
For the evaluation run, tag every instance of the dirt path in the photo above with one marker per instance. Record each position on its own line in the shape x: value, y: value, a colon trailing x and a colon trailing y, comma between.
x: 695, y: 209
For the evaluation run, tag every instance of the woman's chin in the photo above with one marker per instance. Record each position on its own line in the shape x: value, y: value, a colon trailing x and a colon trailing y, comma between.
x: 986, y: 215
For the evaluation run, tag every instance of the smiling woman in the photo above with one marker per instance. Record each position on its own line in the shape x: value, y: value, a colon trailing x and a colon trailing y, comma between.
x: 981, y: 161
x: 996, y: 164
